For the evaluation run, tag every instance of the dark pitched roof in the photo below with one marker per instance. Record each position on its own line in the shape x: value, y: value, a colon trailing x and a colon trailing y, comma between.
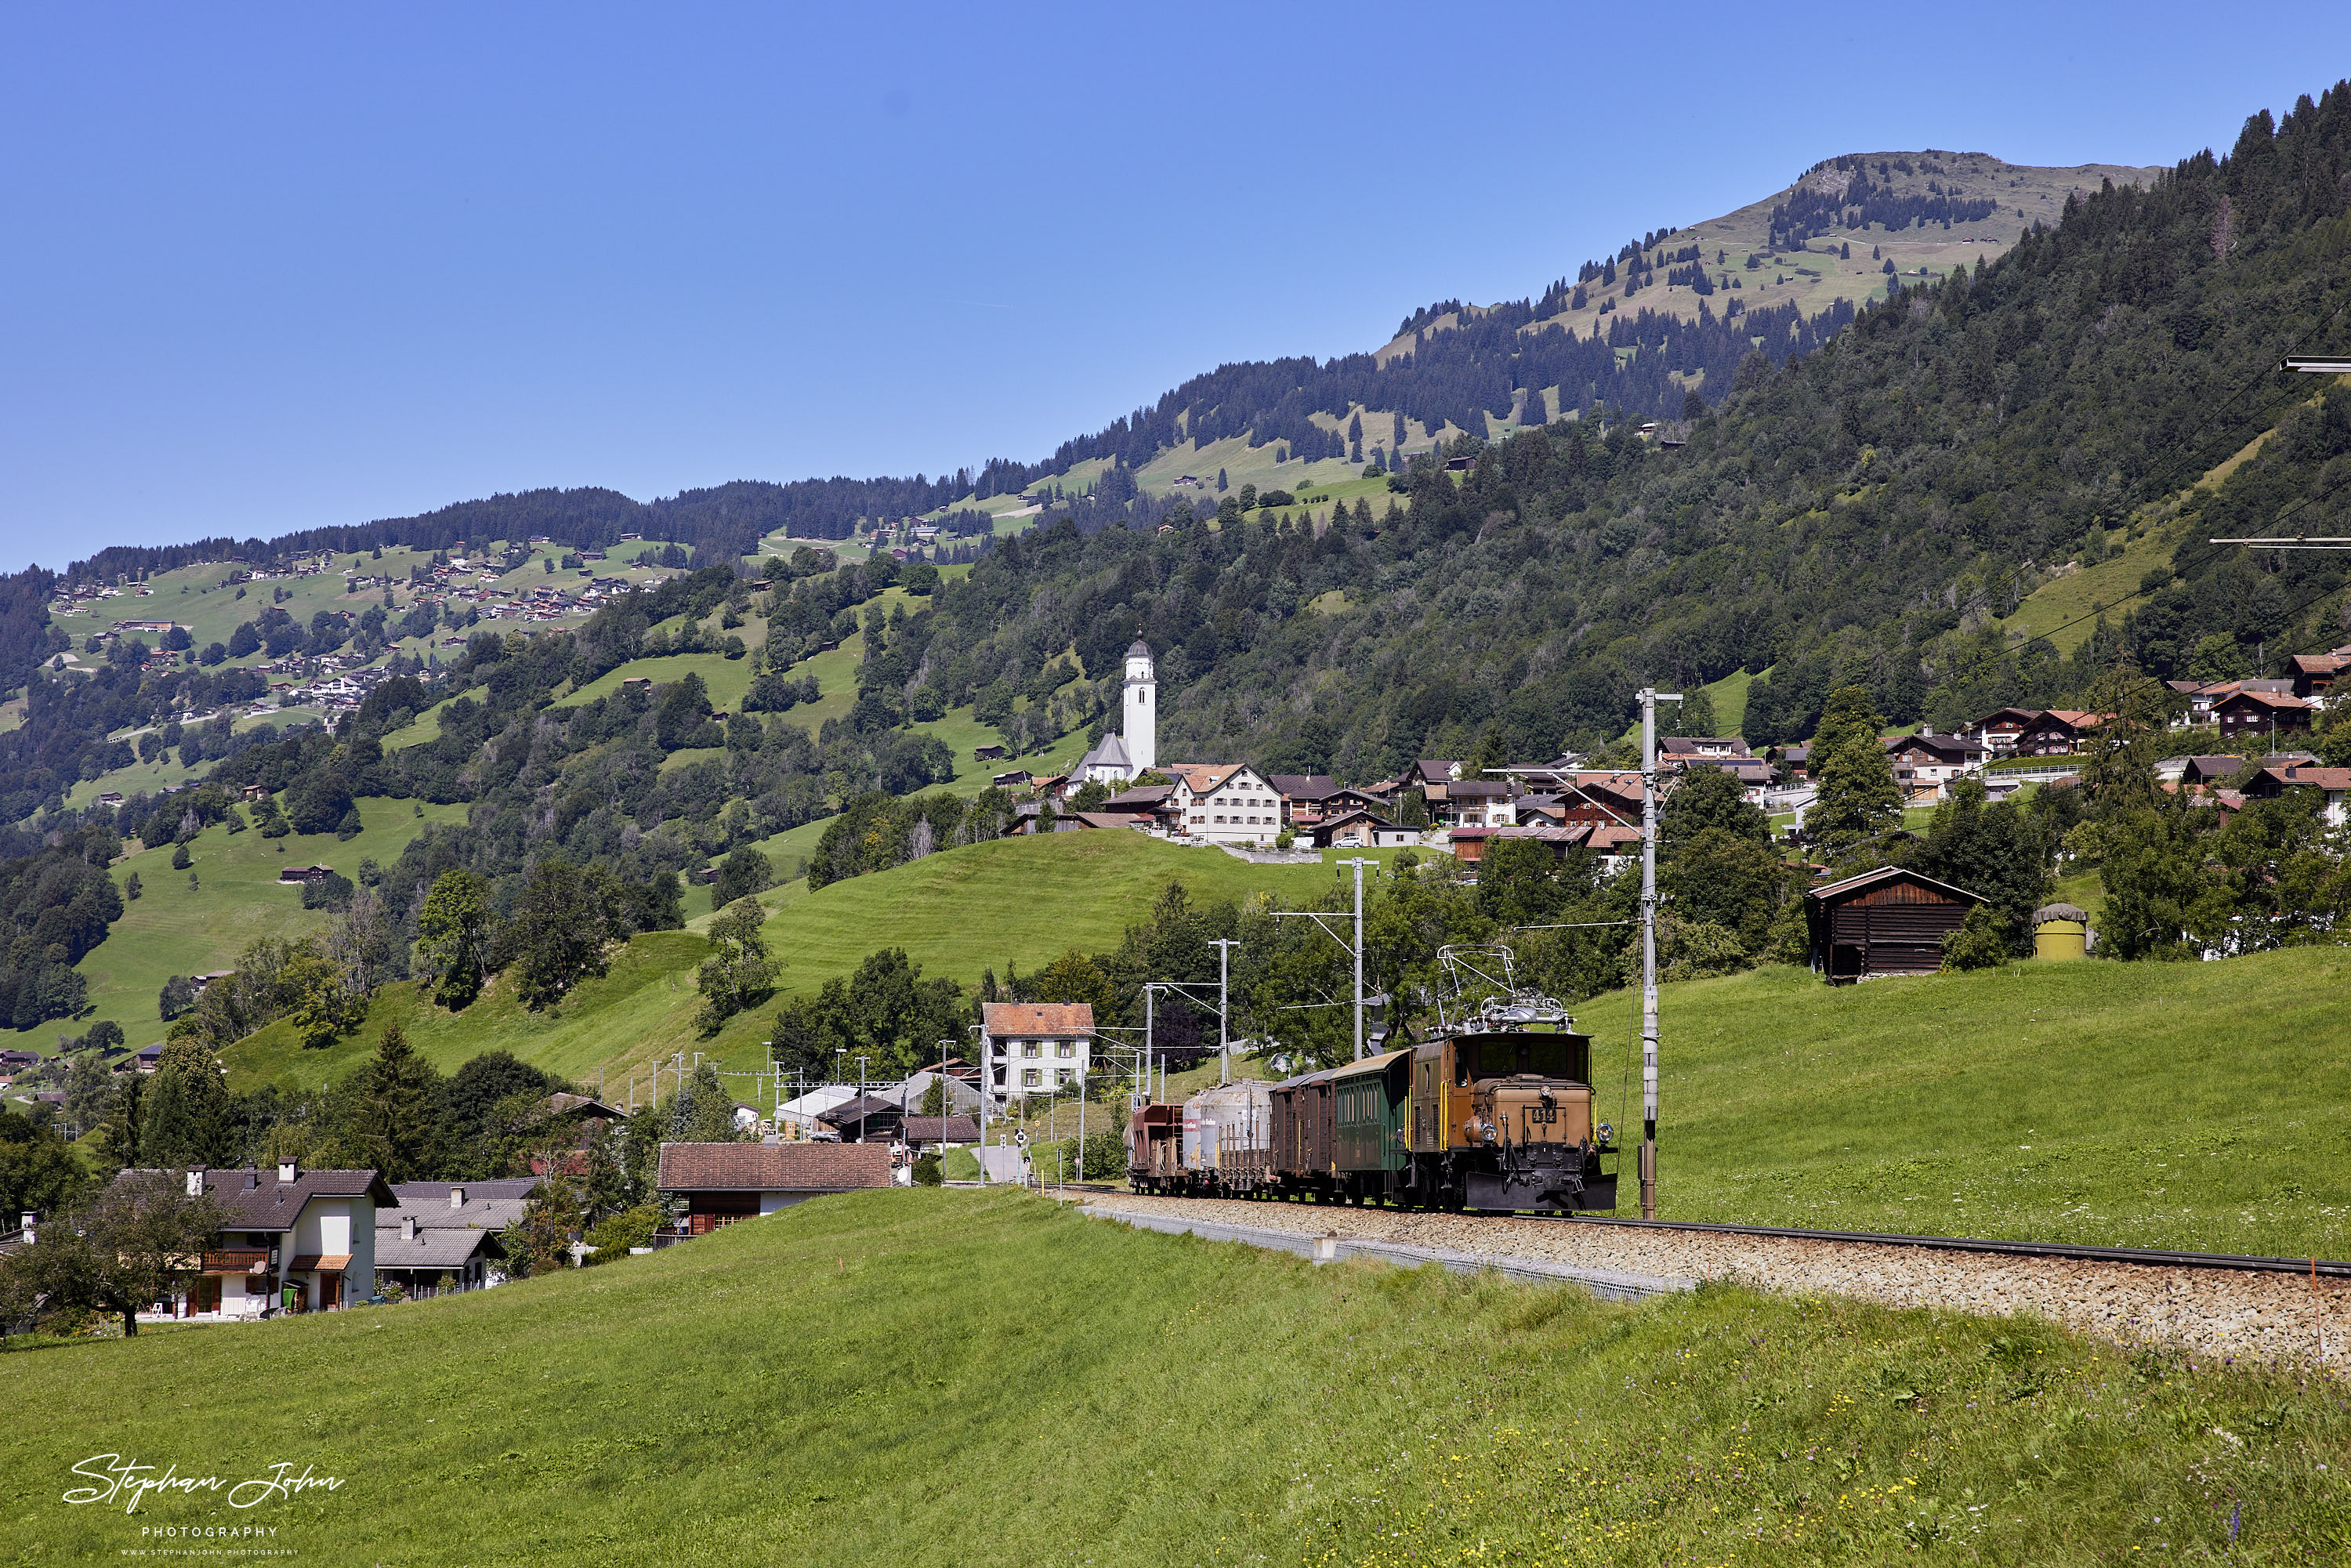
x: 266, y: 1205
x: 941, y: 1130
x: 435, y: 1194
x: 772, y: 1167
x: 865, y: 1107
x: 444, y: 1246
x: 1304, y: 786
x: 563, y: 1102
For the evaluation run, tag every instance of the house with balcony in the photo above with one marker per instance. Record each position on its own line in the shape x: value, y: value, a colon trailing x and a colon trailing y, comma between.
x: 292, y: 1239
x: 1224, y: 803
x: 444, y: 1237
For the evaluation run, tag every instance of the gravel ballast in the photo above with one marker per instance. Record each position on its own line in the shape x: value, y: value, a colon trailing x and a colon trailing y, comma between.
x: 2208, y: 1312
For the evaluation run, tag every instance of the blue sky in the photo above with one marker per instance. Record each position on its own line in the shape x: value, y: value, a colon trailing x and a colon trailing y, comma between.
x: 272, y: 268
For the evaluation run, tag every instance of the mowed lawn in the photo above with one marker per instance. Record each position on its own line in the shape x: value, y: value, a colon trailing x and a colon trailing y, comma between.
x: 169, y: 930
x: 2199, y: 1106
x: 938, y: 1377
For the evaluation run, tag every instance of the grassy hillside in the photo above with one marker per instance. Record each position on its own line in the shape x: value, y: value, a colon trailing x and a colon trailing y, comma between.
x: 1017, y: 901
x: 169, y: 930
x: 911, y: 1377
x: 2186, y: 1106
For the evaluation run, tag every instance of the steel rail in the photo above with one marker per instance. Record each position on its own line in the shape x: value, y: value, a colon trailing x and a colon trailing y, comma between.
x: 2154, y: 1257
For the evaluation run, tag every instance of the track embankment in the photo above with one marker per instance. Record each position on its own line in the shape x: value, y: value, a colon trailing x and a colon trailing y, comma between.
x: 2220, y: 1313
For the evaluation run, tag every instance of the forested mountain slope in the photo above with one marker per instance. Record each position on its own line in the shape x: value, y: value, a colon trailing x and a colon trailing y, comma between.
x: 1863, y: 514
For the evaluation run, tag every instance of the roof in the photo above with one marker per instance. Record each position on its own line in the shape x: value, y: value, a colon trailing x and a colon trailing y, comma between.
x: 1304, y: 786
x: 1886, y: 874
x: 2061, y: 912
x: 2266, y: 700
x: 1110, y: 751
x: 1139, y: 646
x: 941, y: 1130
x: 1141, y: 798
x: 865, y: 1107
x: 1000, y: 1018
x: 1201, y: 778
x: 1369, y: 1064
x: 1428, y: 771
x: 266, y: 1205
x: 772, y: 1167
x: 2297, y: 775
x: 435, y: 1194
x: 1692, y: 742
x: 440, y: 1246
x: 565, y: 1103
x: 1101, y: 819
x: 1478, y: 788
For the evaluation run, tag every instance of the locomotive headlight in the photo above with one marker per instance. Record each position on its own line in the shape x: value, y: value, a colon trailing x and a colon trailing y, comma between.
x: 1607, y: 1133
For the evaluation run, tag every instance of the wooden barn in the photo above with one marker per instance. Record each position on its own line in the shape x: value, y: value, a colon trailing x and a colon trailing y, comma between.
x: 1890, y: 921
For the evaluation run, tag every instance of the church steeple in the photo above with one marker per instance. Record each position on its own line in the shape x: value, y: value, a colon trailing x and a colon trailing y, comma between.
x: 1140, y: 716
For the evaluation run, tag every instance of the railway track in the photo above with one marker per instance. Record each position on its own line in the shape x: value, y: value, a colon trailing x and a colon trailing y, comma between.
x: 2315, y: 1268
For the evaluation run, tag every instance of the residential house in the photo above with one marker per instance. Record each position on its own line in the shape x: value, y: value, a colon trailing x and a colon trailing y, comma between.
x: 1355, y: 828
x: 587, y: 1116
x: 1706, y: 746
x: 989, y: 753
x: 1601, y: 797
x: 1796, y: 758
x: 2315, y: 674
x: 2333, y: 784
x: 2000, y: 732
x: 1152, y: 804
x: 1037, y: 1046
x: 1225, y: 803
x: 1018, y: 778
x: 1302, y: 796
x: 293, y: 1240
x: 447, y: 1231
x: 1471, y: 803
x: 1891, y: 921
x: 2057, y: 732
x: 2261, y: 713
x: 720, y: 1183
x: 1934, y: 761
x: 302, y: 874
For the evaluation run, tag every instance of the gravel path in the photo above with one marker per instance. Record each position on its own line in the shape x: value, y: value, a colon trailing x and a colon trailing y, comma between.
x: 2210, y: 1312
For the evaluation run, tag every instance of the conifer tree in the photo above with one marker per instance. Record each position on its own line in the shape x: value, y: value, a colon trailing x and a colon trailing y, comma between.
x: 183, y: 1115
x: 1856, y: 798
x: 404, y: 1092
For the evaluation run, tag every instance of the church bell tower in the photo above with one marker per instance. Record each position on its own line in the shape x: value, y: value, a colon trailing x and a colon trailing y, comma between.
x: 1142, y: 699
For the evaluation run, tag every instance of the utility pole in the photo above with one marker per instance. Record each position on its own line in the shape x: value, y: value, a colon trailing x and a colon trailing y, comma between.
x: 1149, y: 996
x: 1223, y: 947
x: 1359, y: 862
x: 1649, y: 700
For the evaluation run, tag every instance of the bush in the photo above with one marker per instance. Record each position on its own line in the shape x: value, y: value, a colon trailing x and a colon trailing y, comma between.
x: 180, y: 861
x: 927, y: 1172
x: 1980, y: 944
x: 613, y: 1235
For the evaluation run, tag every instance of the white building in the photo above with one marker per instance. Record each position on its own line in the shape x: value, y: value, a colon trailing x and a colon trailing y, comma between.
x: 1035, y: 1047
x: 1224, y: 803
x: 303, y: 1240
x: 1118, y: 758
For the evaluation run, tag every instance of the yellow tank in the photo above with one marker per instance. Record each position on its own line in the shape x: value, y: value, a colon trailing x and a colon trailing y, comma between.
x: 2061, y: 930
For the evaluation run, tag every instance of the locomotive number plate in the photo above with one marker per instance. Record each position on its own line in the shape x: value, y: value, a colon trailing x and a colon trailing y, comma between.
x: 1542, y: 1115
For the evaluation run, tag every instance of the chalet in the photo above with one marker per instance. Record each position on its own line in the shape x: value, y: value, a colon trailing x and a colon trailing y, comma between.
x: 1355, y: 828
x: 989, y: 753
x: 1935, y: 760
x: 1797, y: 760
x: 111, y: 798
x: 2315, y: 673
x: 302, y: 874
x: 1999, y: 733
x: 1302, y: 796
x: 2333, y: 785
x: 1469, y: 845
x: 2057, y: 732
x: 2204, y: 772
x: 1471, y: 803
x: 718, y: 1184
x: 1598, y: 798
x: 1458, y: 464
x: 445, y: 1235
x: 1018, y: 778
x: 1224, y: 803
x: 1710, y: 746
x: 1614, y: 846
x: 1891, y: 921
x: 2261, y: 712
x: 1037, y: 1046
x: 2204, y: 696
x: 254, y: 793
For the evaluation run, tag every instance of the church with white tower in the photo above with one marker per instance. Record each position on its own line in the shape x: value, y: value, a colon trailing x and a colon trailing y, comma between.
x: 1118, y: 758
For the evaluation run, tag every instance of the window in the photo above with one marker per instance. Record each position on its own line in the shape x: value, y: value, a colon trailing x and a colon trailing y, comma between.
x: 1028, y: 1047
x: 1062, y: 1075
x: 1031, y: 1078
x: 1065, y: 1047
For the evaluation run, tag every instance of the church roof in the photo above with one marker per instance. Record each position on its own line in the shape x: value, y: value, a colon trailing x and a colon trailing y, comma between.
x: 1109, y: 752
x: 1141, y: 647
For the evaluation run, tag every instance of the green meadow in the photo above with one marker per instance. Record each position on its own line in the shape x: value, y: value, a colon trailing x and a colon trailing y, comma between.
x: 937, y: 1377
x: 2192, y: 1106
